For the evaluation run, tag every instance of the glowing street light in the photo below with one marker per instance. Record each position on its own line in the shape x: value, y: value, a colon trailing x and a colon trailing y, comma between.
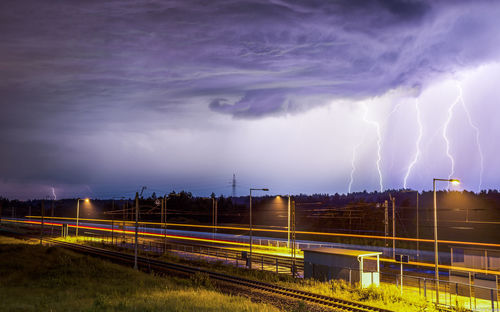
x: 288, y: 225
x: 251, y: 238
x: 436, y: 258
x: 86, y: 200
x: 288, y: 220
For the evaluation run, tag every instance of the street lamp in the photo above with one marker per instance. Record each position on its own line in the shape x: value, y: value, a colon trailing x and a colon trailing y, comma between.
x: 251, y: 238
x: 436, y: 258
x: 288, y: 220
x: 214, y: 215
x: 163, y: 218
x: 78, y: 211
x: 288, y: 227
x: 417, y: 231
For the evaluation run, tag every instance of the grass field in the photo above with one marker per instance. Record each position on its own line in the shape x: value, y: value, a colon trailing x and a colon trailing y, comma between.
x: 384, y: 296
x: 36, y: 278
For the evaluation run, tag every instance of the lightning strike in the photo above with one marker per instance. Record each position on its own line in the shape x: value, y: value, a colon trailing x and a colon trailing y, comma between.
x: 54, y: 193
x: 353, y: 167
x: 476, y: 130
x: 379, y: 145
x: 417, y: 145
x: 445, y: 137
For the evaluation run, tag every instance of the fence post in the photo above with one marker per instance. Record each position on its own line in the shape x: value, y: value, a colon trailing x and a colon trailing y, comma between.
x: 470, y: 291
x: 277, y: 271
x: 425, y: 288
x: 492, y: 301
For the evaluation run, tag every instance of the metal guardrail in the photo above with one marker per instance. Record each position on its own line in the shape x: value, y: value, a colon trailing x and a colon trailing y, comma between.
x: 451, y: 293
x: 467, y: 295
x: 336, y: 303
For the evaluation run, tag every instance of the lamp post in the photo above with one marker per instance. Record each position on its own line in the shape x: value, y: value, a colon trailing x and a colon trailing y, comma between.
x: 78, y: 211
x: 136, y: 228
x: 417, y: 231
x: 251, y: 237
x: 436, y: 258
x: 164, y: 217
x: 288, y: 227
x: 214, y: 214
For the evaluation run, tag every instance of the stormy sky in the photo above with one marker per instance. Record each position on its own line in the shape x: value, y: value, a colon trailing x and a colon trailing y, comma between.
x: 101, y: 97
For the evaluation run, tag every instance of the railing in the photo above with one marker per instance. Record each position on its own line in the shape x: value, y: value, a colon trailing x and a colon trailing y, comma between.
x: 451, y: 293
x: 275, y: 264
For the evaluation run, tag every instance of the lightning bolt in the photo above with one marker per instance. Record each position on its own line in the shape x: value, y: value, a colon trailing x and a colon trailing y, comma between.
x: 476, y: 130
x: 379, y: 144
x: 54, y: 193
x: 445, y: 137
x: 353, y: 167
x: 417, y: 145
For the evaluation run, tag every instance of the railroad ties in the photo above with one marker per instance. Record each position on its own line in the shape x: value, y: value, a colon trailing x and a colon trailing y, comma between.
x: 337, y: 304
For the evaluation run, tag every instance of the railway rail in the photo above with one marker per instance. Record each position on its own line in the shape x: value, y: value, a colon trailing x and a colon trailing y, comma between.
x: 161, y: 266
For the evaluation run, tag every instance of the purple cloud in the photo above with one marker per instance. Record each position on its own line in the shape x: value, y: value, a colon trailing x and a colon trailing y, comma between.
x: 82, y: 68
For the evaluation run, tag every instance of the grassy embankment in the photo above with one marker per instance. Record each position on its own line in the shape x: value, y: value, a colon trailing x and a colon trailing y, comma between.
x: 36, y: 278
x: 386, y: 296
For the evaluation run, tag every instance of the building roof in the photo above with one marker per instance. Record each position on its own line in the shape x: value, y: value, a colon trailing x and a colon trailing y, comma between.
x: 343, y: 252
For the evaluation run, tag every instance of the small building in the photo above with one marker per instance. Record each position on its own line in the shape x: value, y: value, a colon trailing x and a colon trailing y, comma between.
x: 486, y: 261
x: 353, y: 266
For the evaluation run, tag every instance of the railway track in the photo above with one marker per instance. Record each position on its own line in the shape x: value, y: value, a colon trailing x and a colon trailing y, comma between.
x: 334, y: 303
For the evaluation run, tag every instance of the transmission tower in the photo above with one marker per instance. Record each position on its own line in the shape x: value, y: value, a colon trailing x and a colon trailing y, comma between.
x: 234, y: 185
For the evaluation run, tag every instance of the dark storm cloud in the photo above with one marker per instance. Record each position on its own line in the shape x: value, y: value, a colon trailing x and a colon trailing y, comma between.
x: 126, y: 53
x: 71, y: 68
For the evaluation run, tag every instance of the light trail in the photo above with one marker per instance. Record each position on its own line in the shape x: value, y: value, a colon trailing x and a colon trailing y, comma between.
x: 379, y: 144
x: 445, y: 137
x: 54, y: 193
x: 269, y: 250
x: 476, y: 130
x: 417, y: 152
x: 408, y: 239
x: 441, y: 266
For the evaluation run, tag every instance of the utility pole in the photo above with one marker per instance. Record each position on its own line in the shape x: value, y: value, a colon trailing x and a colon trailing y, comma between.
x: 418, y: 245
x: 393, y: 227
x: 112, y: 220
x: 213, y: 218
x: 136, y: 228
x: 215, y: 228
x: 386, y: 221
x: 293, y: 238
x: 41, y: 228
x: 52, y: 216
x: 164, y: 221
x: 251, y: 238
x: 288, y: 227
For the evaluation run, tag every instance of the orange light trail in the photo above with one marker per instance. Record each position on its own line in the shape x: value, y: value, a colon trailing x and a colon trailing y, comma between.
x: 222, y: 241
x: 408, y: 239
x: 441, y: 266
x: 424, y: 264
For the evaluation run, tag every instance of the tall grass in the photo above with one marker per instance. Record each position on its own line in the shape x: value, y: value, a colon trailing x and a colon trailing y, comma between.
x: 385, y: 296
x: 37, y: 278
